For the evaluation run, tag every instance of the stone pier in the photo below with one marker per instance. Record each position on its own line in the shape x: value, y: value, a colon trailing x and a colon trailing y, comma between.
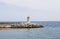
x: 28, y: 24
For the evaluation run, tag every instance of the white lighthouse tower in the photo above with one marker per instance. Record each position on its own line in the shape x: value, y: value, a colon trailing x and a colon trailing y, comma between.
x: 28, y: 19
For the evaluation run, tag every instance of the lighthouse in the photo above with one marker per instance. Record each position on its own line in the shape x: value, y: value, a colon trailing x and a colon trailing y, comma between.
x: 28, y: 19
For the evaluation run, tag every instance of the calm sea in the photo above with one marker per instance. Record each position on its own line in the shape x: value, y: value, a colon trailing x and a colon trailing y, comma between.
x: 51, y: 30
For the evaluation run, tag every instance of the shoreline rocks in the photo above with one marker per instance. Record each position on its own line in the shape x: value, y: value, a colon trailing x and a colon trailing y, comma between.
x: 24, y: 25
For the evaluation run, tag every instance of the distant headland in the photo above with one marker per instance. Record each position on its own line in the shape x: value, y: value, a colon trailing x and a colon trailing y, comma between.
x: 27, y: 24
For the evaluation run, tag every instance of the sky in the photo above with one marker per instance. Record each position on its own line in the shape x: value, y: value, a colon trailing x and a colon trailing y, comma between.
x: 38, y: 10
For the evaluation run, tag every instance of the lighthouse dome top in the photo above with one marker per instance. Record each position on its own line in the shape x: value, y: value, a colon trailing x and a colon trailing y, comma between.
x: 28, y: 17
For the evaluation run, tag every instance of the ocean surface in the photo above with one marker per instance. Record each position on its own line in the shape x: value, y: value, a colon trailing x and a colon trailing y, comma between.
x: 51, y: 30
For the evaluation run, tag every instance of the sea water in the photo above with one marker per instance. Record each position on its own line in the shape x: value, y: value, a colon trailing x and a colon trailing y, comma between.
x: 51, y: 30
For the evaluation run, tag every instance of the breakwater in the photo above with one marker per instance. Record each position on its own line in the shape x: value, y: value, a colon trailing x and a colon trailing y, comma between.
x: 26, y: 24
x: 19, y: 25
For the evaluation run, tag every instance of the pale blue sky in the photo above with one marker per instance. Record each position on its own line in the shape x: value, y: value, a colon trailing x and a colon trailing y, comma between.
x: 38, y: 10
